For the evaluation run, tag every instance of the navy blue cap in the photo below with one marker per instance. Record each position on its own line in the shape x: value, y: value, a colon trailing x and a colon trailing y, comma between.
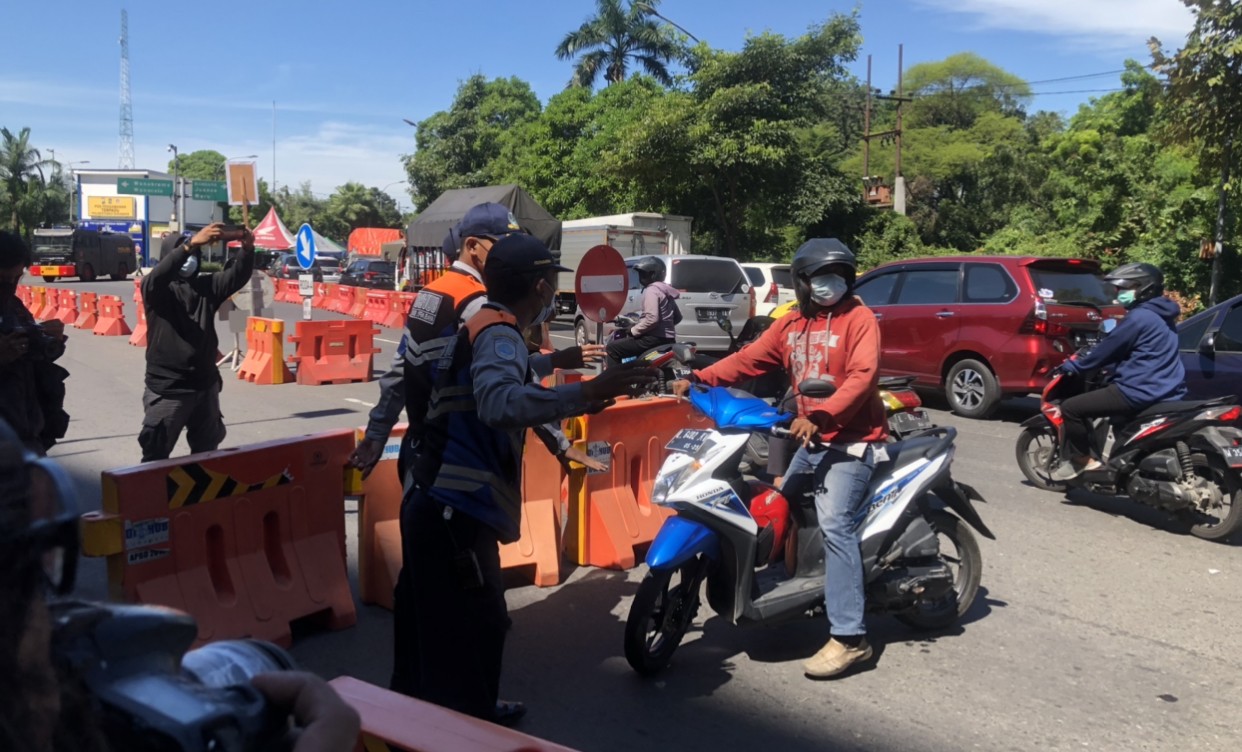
x: 520, y: 254
x: 487, y: 221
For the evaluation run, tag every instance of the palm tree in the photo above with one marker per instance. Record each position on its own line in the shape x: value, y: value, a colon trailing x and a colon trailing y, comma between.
x: 617, y: 36
x: 19, y: 164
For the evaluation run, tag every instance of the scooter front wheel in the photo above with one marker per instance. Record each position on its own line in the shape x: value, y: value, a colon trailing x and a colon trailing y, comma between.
x: 1034, y: 451
x: 659, y: 617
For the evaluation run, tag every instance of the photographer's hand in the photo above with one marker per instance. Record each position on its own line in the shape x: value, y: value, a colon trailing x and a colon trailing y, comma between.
x: 207, y: 235
x: 325, y: 722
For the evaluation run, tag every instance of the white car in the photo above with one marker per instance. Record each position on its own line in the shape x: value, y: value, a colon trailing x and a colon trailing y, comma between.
x: 331, y: 266
x: 773, y: 286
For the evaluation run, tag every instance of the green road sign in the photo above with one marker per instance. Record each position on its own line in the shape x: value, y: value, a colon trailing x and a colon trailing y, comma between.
x: 144, y: 187
x: 209, y: 190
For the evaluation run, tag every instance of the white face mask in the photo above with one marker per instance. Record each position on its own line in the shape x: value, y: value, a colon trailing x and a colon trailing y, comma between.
x: 189, y: 268
x: 549, y: 309
x: 827, y: 289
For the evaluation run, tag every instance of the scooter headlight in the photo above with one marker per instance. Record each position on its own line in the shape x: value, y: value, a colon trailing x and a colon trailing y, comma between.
x: 670, y: 478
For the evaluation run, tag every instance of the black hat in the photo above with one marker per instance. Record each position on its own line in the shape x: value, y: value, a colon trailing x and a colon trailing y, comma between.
x: 520, y: 254
x: 488, y: 220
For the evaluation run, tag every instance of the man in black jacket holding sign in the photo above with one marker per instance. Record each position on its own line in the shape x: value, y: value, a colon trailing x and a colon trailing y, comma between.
x: 183, y: 381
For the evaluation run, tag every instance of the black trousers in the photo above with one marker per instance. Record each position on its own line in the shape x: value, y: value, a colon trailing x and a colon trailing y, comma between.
x: 1080, y: 410
x: 165, y: 417
x: 448, y: 629
x: 630, y: 347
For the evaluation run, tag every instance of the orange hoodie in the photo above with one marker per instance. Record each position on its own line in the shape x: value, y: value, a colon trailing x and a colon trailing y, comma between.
x: 841, y: 346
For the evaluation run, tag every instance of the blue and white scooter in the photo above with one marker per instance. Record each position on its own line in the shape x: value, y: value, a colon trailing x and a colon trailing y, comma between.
x: 921, y: 561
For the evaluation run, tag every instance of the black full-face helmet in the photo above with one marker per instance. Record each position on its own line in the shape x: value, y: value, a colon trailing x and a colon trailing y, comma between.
x: 649, y: 269
x: 1145, y: 280
x: 814, y: 258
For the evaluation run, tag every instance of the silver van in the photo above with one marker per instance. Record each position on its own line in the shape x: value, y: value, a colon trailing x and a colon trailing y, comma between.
x: 711, y: 287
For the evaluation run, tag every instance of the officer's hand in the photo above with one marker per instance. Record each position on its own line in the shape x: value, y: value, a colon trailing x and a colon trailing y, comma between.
x: 324, y: 722
x: 247, y: 240
x: 574, y: 454
x: 366, y: 455
x: 629, y: 379
x: 680, y: 387
x: 208, y: 235
x: 577, y: 357
x: 802, y: 430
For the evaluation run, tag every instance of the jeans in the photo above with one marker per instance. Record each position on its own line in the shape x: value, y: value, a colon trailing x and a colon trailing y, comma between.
x: 840, y: 482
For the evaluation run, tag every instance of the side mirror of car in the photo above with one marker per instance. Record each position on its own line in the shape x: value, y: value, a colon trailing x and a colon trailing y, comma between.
x: 1207, y: 345
x: 817, y: 388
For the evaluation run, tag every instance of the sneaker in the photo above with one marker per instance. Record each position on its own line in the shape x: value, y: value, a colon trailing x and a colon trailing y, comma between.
x: 834, y: 658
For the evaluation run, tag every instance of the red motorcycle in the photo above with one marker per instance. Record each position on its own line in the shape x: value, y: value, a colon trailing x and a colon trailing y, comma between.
x: 1179, y: 456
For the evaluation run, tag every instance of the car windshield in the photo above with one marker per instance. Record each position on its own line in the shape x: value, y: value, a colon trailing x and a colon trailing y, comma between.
x: 706, y: 275
x: 1071, y: 287
x: 382, y: 267
x: 328, y: 263
x: 781, y: 276
x: 755, y: 274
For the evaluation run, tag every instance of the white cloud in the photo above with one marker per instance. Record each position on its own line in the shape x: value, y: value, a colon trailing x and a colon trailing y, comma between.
x: 1107, y: 22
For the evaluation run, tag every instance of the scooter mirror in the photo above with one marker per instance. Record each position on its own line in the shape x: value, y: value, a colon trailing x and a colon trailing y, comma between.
x: 817, y: 388
x: 684, y: 352
x: 724, y: 323
x: 1108, y: 325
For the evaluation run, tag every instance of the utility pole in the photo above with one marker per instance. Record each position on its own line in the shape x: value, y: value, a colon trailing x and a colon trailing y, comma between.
x: 176, y: 221
x: 893, y: 135
x: 1218, y: 258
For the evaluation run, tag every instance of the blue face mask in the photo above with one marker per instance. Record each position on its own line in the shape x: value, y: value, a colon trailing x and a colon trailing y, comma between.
x: 827, y: 289
x: 1126, y: 298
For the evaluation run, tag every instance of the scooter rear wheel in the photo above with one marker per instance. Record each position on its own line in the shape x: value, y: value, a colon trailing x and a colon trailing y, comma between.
x: 1221, y: 522
x: 967, y: 564
x: 1034, y: 451
x: 659, y: 617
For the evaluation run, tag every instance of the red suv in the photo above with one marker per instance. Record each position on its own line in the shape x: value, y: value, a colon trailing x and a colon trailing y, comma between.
x: 984, y: 327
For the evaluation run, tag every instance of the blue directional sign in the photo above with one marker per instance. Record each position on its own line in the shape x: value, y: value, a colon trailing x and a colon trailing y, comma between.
x: 305, y: 246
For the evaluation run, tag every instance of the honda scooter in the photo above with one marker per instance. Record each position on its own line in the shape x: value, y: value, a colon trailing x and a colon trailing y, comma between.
x: 761, y: 554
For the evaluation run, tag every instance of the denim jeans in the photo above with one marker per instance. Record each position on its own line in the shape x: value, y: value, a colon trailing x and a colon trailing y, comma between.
x: 840, y: 483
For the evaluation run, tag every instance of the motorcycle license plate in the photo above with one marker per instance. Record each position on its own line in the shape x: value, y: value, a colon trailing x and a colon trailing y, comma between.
x: 687, y: 441
x: 1233, y: 455
x: 910, y: 420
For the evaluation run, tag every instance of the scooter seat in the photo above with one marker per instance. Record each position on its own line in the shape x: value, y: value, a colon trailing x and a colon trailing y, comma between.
x: 1186, y: 406
x: 906, y: 452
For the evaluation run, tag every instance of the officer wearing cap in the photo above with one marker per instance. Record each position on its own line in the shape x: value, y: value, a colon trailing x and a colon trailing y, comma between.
x: 464, y: 496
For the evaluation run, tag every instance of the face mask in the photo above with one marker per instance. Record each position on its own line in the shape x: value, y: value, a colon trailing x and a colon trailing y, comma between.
x: 549, y: 309
x: 827, y: 289
x: 189, y: 268
x: 1126, y: 298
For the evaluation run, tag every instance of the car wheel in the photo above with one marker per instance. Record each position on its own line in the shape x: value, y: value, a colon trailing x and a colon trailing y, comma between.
x: 971, y: 389
x: 581, y: 337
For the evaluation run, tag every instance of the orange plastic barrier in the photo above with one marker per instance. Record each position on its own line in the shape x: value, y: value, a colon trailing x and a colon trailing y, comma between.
x: 265, y: 353
x: 343, y: 300
x: 376, y: 306
x: 359, y: 307
x: 334, y: 352
x: 398, y: 308
x: 610, y: 513
x: 40, y: 299
x: 246, y: 540
x: 88, y: 314
x: 392, y: 721
x: 379, y: 528
x: 66, y: 307
x: 324, y: 291
x: 111, y: 317
x: 25, y: 295
x: 139, y: 337
x: 287, y: 291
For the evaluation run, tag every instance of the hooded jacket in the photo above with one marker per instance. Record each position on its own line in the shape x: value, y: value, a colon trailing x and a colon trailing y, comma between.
x: 181, y: 326
x: 660, y: 312
x: 1144, y: 349
x: 842, y: 346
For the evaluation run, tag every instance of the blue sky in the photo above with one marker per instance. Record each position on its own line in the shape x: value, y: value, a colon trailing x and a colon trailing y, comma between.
x: 344, y: 75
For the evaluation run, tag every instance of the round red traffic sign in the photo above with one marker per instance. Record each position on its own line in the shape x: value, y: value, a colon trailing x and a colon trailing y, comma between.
x: 601, y: 283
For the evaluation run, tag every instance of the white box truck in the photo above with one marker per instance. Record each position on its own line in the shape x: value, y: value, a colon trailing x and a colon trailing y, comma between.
x: 637, y: 234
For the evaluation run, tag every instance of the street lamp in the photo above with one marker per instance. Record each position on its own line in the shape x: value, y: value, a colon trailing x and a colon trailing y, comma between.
x: 650, y: 9
x: 410, y: 123
x: 176, y: 164
x: 73, y: 185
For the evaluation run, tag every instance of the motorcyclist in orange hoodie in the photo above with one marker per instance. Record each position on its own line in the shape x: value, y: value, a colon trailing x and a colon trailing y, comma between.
x: 835, y: 337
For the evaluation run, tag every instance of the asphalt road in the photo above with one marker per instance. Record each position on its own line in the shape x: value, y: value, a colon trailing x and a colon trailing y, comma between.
x: 1100, y: 624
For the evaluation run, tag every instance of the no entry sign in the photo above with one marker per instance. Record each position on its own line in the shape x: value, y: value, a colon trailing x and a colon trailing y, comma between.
x: 601, y: 283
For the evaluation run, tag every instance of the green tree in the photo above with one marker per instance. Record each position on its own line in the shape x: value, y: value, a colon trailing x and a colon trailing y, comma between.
x: 354, y: 205
x: 618, y: 36
x: 21, y: 173
x: 957, y: 90
x: 1205, y: 102
x: 733, y: 149
x: 204, y: 164
x: 457, y: 148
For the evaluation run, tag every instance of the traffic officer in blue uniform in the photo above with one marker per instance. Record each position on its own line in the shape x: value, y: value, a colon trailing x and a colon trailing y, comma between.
x: 464, y: 497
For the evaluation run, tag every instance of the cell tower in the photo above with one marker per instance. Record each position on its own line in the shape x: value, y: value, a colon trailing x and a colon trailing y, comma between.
x: 127, y: 107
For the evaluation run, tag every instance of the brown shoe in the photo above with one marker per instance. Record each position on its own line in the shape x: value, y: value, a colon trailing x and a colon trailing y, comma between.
x: 834, y: 658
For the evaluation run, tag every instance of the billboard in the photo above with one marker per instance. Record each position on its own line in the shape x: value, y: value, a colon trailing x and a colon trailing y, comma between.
x: 111, y: 207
